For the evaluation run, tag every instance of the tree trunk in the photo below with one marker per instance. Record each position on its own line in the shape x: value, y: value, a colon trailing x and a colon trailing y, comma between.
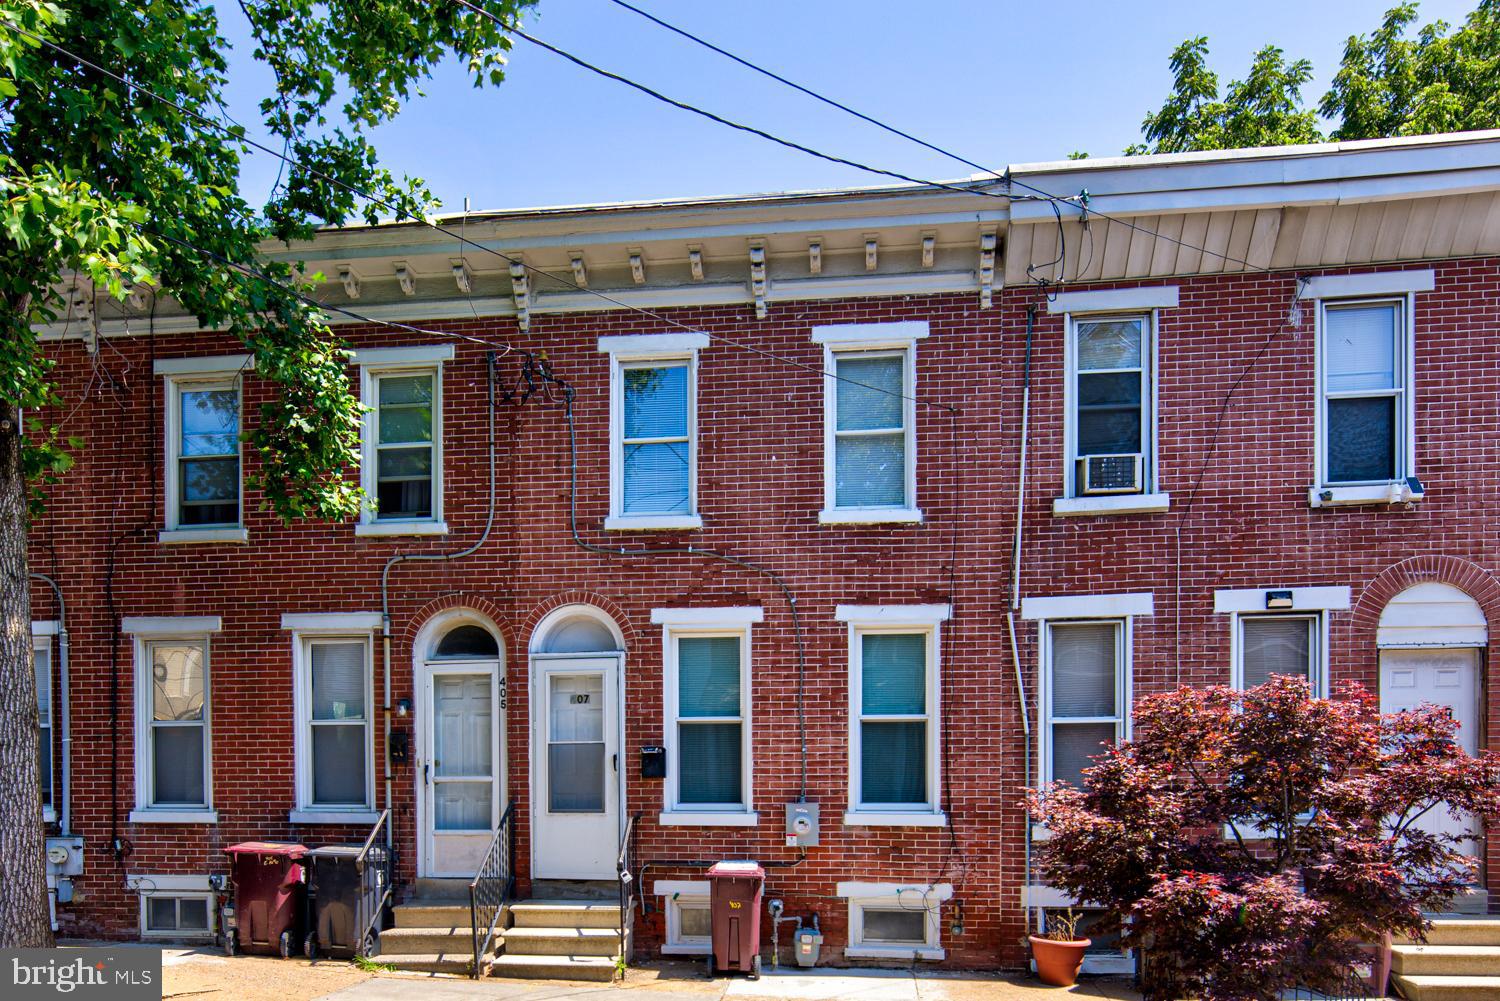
x: 24, y: 917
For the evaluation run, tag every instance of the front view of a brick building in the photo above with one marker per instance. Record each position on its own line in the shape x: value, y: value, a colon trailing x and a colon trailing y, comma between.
x: 741, y: 483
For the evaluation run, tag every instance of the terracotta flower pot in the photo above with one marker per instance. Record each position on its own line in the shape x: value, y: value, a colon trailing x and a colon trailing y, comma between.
x: 1058, y: 963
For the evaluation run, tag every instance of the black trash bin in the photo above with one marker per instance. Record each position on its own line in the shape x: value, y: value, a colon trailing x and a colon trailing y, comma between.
x: 346, y: 890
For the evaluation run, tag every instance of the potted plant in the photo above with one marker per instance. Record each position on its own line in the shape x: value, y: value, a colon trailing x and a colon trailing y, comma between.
x: 1058, y: 951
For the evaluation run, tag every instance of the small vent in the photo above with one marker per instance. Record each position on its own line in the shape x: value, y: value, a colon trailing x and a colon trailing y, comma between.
x: 1109, y: 474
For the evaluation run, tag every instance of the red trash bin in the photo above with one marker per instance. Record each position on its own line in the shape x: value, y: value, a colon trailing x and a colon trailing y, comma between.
x: 269, y: 903
x: 734, y: 892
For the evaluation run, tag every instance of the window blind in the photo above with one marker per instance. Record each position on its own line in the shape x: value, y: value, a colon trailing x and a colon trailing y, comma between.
x: 1084, y: 670
x: 657, y: 451
x: 1281, y: 644
x: 869, y: 432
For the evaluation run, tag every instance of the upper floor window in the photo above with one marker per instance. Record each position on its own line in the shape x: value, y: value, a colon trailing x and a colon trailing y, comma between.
x: 653, y: 458
x: 1364, y: 392
x: 870, y: 439
x: 173, y: 746
x: 1111, y: 431
x: 203, y: 468
x: 402, y: 464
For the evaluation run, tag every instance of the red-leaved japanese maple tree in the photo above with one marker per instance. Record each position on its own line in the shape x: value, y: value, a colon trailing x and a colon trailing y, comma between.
x: 1249, y: 841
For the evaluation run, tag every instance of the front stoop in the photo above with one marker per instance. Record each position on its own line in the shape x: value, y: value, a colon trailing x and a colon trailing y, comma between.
x: 430, y: 936
x: 559, y: 940
x: 1459, y: 962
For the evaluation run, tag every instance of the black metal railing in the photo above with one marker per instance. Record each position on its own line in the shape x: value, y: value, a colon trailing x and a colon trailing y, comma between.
x: 493, y: 886
x: 625, y: 866
x: 369, y: 937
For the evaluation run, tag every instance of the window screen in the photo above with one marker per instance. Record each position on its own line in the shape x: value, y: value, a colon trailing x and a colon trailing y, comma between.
x: 179, y: 745
x: 1277, y: 644
x: 1363, y: 382
x: 1086, y: 713
x: 870, y: 433
x: 404, y: 446
x: 709, y: 727
x: 1111, y: 390
x: 893, y: 718
x: 694, y: 922
x: 208, y: 464
x: 894, y: 926
x: 656, y: 448
x: 339, y: 722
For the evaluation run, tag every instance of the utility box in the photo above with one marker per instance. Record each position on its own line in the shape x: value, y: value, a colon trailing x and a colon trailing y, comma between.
x: 808, y: 945
x: 801, y: 825
x: 268, y: 897
x: 734, y: 901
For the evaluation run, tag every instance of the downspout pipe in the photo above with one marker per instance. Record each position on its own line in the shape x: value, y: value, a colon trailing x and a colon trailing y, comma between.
x: 387, y: 709
x: 65, y: 814
x: 1015, y: 588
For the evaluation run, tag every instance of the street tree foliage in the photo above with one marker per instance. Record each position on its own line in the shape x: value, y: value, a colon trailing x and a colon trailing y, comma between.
x: 105, y: 190
x: 1391, y: 82
x: 1248, y: 841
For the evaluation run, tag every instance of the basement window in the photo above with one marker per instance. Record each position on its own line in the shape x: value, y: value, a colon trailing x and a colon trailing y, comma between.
x: 689, y: 924
x: 895, y: 921
x: 173, y: 908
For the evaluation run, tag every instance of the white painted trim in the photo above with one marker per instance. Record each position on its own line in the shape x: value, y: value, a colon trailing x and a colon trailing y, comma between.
x: 1109, y: 504
x: 419, y: 355
x: 302, y: 754
x: 892, y: 896
x: 322, y: 816
x: 892, y: 615
x: 689, y: 818
x: 1123, y: 621
x: 146, y: 882
x: 652, y: 522
x: 44, y: 627
x: 1089, y: 606
x: 713, y: 618
x: 846, y: 335
x: 680, y: 623
x: 871, y: 818
x: 147, y: 815
x: 1147, y: 500
x: 564, y: 612
x: 171, y: 625
x: 681, y: 887
x: 1372, y: 283
x: 677, y: 893
x: 894, y: 953
x: 331, y: 622
x: 1395, y: 492
x: 181, y: 887
x: 1405, y: 454
x: 941, y: 892
x: 1304, y: 599
x: 869, y: 516
x: 397, y: 529
x: 637, y: 346
x: 1319, y: 682
x: 1107, y: 300
x: 859, y: 286
x: 191, y: 536
x: 222, y: 365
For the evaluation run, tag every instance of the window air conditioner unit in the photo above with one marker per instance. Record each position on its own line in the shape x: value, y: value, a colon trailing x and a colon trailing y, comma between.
x: 1109, y: 474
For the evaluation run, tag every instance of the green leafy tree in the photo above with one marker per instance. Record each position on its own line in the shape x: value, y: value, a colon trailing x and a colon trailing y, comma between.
x: 107, y: 190
x: 1387, y: 84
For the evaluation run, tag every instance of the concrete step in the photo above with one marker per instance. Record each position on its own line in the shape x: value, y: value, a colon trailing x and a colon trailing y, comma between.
x: 564, y: 914
x: 417, y: 941
x: 432, y: 914
x: 597, y: 890
x: 446, y: 889
x: 1463, y: 931
x: 458, y: 962
x: 1429, y: 988
x: 1446, y: 960
x: 562, y: 941
x: 597, y: 968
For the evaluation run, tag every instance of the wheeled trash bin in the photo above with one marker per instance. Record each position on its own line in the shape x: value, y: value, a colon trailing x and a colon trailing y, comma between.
x: 346, y: 891
x: 734, y: 895
x: 268, y: 898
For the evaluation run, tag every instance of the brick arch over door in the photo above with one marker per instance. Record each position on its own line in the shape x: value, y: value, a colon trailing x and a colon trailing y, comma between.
x: 1354, y: 638
x: 466, y: 601
x: 578, y: 597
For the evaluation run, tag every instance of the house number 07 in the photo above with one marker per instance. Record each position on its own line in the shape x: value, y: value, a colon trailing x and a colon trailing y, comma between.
x: 581, y: 699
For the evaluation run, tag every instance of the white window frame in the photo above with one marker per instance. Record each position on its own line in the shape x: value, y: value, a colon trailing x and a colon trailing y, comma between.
x: 927, y: 898
x: 1124, y: 640
x: 1242, y: 603
x: 900, y: 619
x: 42, y: 634
x: 676, y: 893
x: 374, y: 365
x: 650, y: 351
x: 177, y: 887
x: 680, y: 623
x: 869, y: 339
x: 1039, y: 900
x: 148, y: 632
x: 193, y: 375
x: 1151, y: 500
x: 1400, y: 288
x: 306, y: 630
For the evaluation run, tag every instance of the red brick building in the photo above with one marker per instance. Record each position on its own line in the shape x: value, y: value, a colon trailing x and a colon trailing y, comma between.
x: 1263, y: 401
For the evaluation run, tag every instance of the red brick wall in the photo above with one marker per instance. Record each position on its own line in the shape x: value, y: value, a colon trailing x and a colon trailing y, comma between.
x: 760, y: 488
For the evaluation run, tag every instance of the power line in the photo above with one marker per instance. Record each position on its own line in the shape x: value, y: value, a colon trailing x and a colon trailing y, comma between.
x: 238, y: 135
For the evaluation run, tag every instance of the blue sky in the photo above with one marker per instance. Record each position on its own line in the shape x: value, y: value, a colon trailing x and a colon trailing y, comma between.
x: 998, y: 82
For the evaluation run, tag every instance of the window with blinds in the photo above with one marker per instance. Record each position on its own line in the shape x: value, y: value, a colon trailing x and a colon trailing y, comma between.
x: 710, y: 722
x: 871, y: 436
x: 894, y: 720
x: 656, y: 448
x: 208, y: 455
x: 338, y: 722
x: 404, y: 447
x: 1085, y: 697
x: 1278, y: 644
x: 1364, y: 391
x: 177, y: 731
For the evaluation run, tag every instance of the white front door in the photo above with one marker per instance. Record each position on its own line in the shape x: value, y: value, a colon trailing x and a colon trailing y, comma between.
x: 1441, y: 677
x: 461, y: 788
x: 575, y: 791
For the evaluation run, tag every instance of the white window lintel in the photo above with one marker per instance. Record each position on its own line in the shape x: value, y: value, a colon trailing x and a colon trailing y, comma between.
x: 171, y: 625
x: 1089, y: 606
x: 1369, y: 283
x: 653, y: 345
x: 877, y: 818
x: 331, y: 622
x: 690, y: 888
x: 708, y: 818
x: 902, y: 332
x: 857, y: 889
x: 212, y: 365
x: 1304, y: 599
x: 150, y: 815
x: 736, y: 618
x: 415, y: 354
x: 1111, y: 300
x: 893, y: 615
